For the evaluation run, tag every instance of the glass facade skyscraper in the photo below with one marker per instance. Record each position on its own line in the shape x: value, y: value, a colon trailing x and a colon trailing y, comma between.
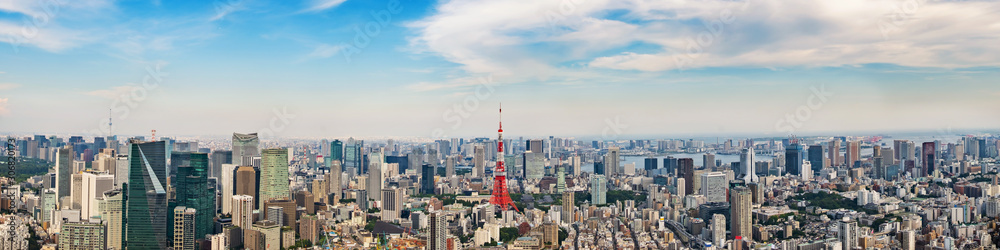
x: 273, y: 175
x: 146, y: 197
x: 193, y: 191
x: 793, y: 158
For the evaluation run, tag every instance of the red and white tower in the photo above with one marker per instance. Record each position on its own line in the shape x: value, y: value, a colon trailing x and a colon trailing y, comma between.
x: 500, y: 196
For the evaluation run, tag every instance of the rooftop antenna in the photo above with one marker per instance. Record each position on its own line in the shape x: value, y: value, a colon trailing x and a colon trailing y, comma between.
x: 154, y: 136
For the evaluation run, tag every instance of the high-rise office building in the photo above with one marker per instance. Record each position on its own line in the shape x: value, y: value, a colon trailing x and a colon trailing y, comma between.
x: 718, y: 229
x: 740, y: 200
x: 192, y: 190
x: 184, y: 228
x: 438, y: 231
x: 82, y: 236
x: 834, y: 153
x: 479, y: 161
x: 713, y: 186
x: 64, y: 171
x: 793, y: 158
x: 747, y: 172
x: 427, y: 179
x: 612, y: 163
x: 246, y: 182
x: 392, y: 203
x: 908, y: 240
x: 449, y: 166
x: 243, y: 211
x: 534, y: 165
x: 276, y: 214
x: 816, y: 157
x: 93, y: 186
x: 847, y: 233
x: 245, y: 146
x: 375, y: 181
x: 928, y: 159
x: 336, y: 150
x: 708, y: 159
x: 685, y: 169
x: 535, y: 145
x: 49, y: 205
x: 273, y: 175
x: 650, y: 164
x: 228, y: 184
x: 320, y: 190
x: 567, y: 206
x: 333, y: 179
x: 110, y: 207
x: 145, y: 199
x: 218, y: 158
x: 853, y: 154
x: 598, y: 190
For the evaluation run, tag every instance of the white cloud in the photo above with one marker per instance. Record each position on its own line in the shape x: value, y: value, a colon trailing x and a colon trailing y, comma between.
x: 224, y: 8
x: 321, y: 5
x: 325, y: 51
x: 548, y: 40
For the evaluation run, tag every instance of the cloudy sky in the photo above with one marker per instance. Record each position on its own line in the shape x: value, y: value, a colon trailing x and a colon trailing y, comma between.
x: 332, y: 68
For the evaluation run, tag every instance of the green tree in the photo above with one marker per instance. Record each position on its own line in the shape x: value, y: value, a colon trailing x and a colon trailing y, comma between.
x: 508, y: 234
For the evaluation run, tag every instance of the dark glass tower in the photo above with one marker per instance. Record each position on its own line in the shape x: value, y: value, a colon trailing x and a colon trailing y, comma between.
x: 193, y: 191
x: 685, y: 169
x: 427, y: 179
x: 145, y: 218
x: 816, y: 157
x: 337, y: 150
x: 793, y: 158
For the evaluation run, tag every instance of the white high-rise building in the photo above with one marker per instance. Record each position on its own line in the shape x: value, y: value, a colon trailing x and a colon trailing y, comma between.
x: 121, y: 170
x: 392, y: 203
x: 847, y: 233
x: 242, y: 211
x: 228, y: 172
x: 183, y: 228
x: 713, y: 186
x: 747, y: 172
x: 375, y: 180
x: 110, y: 207
x: 598, y: 190
x: 93, y: 187
x: 718, y: 229
x: 805, y: 170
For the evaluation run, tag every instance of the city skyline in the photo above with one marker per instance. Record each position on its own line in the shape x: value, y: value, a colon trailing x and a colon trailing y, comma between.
x: 582, y: 67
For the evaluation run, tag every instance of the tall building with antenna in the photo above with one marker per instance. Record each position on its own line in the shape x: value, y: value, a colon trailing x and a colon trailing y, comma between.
x: 500, y: 196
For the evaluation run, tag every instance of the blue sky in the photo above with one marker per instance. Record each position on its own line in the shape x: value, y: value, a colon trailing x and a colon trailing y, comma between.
x: 441, y: 68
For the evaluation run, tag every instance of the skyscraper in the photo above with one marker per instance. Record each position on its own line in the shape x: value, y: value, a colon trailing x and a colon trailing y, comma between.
x: 375, y: 181
x: 835, y: 158
x: 816, y: 157
x: 246, y: 182
x: 853, y: 153
x: 218, y: 158
x: 740, y: 201
x: 567, y: 206
x: 336, y: 150
x: 184, y: 228
x: 333, y: 179
x: 392, y: 203
x: 713, y: 186
x: 449, y: 166
x: 273, y: 175
x: 793, y: 158
x: 228, y: 184
x: 110, y: 207
x: 708, y: 159
x: 611, y: 162
x: 438, y: 232
x: 193, y: 191
x: 747, y: 172
x: 847, y: 233
x: 243, y: 211
x: 94, y: 184
x: 245, y: 146
x: 146, y: 197
x: 427, y: 179
x: 685, y: 169
x: 479, y: 161
x: 598, y: 190
x: 718, y: 229
x: 64, y: 171
x: 928, y: 159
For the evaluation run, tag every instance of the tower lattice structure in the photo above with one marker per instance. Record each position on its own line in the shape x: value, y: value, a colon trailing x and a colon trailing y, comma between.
x: 500, y: 196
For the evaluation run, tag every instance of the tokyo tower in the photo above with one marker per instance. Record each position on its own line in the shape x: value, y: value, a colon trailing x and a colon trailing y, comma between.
x: 500, y: 196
